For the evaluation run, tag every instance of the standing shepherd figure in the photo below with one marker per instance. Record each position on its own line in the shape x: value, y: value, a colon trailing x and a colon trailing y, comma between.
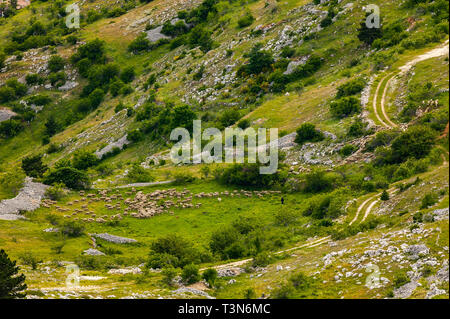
x: 282, y: 200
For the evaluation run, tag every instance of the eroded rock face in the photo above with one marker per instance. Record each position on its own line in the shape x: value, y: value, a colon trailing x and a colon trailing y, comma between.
x: 28, y: 199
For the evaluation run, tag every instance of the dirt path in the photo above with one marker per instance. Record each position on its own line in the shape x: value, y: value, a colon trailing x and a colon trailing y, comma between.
x: 373, y: 200
x: 375, y: 106
x: 383, y: 101
x: 384, y: 119
x: 239, y: 263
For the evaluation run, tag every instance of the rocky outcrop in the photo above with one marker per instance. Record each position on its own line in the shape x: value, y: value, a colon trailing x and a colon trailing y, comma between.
x: 120, y: 143
x: 115, y: 239
x: 28, y: 199
x: 93, y: 252
x: 6, y: 114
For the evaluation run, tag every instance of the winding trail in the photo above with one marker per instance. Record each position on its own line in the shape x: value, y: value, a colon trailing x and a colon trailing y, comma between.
x: 380, y: 110
x: 239, y: 263
x: 370, y: 202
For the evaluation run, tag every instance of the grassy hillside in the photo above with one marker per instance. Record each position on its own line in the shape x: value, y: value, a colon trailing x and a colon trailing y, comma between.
x: 372, y: 174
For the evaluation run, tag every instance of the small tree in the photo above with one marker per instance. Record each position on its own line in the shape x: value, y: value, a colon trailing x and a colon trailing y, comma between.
x: 51, y: 126
x: 169, y: 273
x: 30, y: 259
x: 250, y: 293
x: 190, y: 274
x: 83, y: 159
x: 307, y: 133
x: 384, y: 196
x: 12, y: 285
x: 210, y: 276
x: 33, y: 166
x: 205, y: 170
x: 56, y: 63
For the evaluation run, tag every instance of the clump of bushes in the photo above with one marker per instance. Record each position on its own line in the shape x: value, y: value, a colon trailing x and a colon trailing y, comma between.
x: 33, y: 166
x: 351, y: 87
x: 138, y: 174
x: 173, y: 251
x: 348, y: 150
x: 69, y: 176
x: 55, y: 192
x: 345, y: 106
x: 245, y: 20
x: 248, y: 175
x: 307, y: 132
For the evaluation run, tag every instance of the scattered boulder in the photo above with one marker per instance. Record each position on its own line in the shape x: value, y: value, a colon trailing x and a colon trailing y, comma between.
x: 125, y: 271
x: 93, y: 252
x: 115, y: 239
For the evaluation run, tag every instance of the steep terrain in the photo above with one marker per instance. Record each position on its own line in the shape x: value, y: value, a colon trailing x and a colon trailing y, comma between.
x: 91, y: 205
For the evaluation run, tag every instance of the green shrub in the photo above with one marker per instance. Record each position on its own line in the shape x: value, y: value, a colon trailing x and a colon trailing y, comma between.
x: 135, y: 135
x: 33, y: 166
x: 183, y: 178
x: 12, y: 181
x: 55, y: 192
x: 317, y: 181
x: 428, y: 200
x: 172, y: 250
x: 401, y: 280
x: 324, y: 207
x: 366, y: 34
x: 72, y: 229
x: 351, y: 87
x: 56, y: 63
x: 307, y: 132
x: 190, y: 274
x: 30, y: 259
x: 259, y: 61
x: 245, y: 20
x: 261, y: 260
x: 169, y: 273
x: 348, y: 150
x: 83, y: 159
x: 210, y: 276
x: 229, y: 117
x: 138, y: 174
x: 416, y: 142
x: 248, y: 175
x: 250, y: 294
x: 418, y: 217
x: 357, y: 128
x: 69, y: 176
x: 345, y: 106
